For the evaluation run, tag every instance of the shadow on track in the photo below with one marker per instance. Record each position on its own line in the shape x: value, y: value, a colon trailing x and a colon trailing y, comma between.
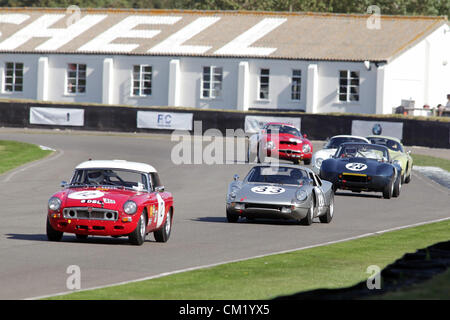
x: 356, y: 194
x: 248, y: 221
x: 72, y: 239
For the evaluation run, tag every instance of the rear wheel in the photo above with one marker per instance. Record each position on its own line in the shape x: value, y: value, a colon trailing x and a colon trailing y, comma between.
x: 52, y: 234
x: 137, y: 237
x: 328, y: 216
x: 163, y: 234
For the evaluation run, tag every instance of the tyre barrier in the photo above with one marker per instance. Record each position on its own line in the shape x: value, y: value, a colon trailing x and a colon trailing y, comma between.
x: 412, y: 268
x: 413, y: 132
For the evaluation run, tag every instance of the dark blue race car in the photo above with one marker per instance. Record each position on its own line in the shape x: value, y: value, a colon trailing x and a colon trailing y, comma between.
x: 363, y: 167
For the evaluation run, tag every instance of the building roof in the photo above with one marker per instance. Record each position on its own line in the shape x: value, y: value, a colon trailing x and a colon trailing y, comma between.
x: 305, y: 36
x: 116, y: 164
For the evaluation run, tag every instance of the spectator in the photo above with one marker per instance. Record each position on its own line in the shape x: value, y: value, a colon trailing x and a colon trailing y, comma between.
x: 440, y: 108
x: 400, y: 110
x: 448, y: 102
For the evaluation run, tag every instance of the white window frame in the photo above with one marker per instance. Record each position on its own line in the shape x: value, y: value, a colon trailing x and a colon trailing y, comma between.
x: 349, y: 79
x: 141, y: 80
x: 13, y: 78
x: 77, y: 79
x: 299, y: 85
x: 260, y: 84
x: 213, y: 89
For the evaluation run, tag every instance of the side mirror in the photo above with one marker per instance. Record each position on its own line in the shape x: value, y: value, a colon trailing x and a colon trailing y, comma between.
x: 63, y: 184
x: 235, y: 177
x: 159, y: 189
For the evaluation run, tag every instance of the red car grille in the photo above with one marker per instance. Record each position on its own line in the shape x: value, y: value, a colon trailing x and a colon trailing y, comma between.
x: 288, y: 142
x: 90, y: 213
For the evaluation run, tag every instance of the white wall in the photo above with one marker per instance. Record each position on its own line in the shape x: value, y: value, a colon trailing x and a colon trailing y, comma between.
x: 419, y: 74
x: 329, y: 86
x: 30, y: 75
x: 123, y: 69
x: 57, y: 78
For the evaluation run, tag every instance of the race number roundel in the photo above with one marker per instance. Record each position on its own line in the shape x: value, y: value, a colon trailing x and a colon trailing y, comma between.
x: 268, y: 190
x: 86, y: 195
x: 355, y: 166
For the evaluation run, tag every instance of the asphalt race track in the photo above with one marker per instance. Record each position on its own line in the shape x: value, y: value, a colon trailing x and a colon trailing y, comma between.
x: 31, y: 266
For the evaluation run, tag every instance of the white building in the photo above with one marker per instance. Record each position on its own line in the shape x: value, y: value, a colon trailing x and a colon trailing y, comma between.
x: 224, y: 60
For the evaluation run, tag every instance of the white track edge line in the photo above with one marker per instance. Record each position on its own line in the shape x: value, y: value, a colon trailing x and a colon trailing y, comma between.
x: 243, y: 259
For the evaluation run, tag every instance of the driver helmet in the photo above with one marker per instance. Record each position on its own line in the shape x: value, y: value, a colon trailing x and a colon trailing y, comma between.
x: 95, y: 177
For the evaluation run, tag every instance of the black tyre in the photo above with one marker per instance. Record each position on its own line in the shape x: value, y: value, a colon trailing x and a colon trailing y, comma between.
x: 163, y: 234
x: 388, y: 190
x: 397, y: 187
x: 408, y: 177
x: 231, y: 217
x: 307, y: 162
x: 328, y: 216
x: 52, y: 234
x: 81, y: 237
x: 307, y: 221
x: 137, y: 237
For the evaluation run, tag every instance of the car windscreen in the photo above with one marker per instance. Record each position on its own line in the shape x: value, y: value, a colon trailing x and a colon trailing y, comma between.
x: 390, y: 144
x: 110, y: 178
x: 363, y: 151
x: 334, y: 143
x: 278, y: 128
x: 278, y: 175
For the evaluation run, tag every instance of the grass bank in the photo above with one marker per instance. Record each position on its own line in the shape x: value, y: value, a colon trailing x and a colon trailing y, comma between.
x: 332, y: 266
x: 14, y: 154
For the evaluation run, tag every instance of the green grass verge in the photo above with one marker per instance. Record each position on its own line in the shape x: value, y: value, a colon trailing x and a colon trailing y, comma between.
x: 333, y: 266
x: 422, y: 160
x: 14, y: 154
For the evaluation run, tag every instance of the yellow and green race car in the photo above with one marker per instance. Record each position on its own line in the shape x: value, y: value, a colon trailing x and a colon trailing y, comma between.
x: 396, y: 152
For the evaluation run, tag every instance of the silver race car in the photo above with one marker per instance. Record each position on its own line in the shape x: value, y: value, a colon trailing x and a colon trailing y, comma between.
x: 280, y: 192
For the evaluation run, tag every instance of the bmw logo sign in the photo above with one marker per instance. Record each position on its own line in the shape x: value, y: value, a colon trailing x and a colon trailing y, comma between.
x: 377, y: 129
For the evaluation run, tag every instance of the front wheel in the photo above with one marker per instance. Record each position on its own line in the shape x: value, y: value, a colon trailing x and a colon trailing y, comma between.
x: 307, y: 221
x: 388, y: 190
x: 52, y: 234
x: 137, y: 237
x: 163, y: 234
x: 307, y: 162
x: 231, y: 217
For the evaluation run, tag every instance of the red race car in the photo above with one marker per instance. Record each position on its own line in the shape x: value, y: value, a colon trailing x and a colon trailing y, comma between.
x: 111, y: 198
x: 282, y: 141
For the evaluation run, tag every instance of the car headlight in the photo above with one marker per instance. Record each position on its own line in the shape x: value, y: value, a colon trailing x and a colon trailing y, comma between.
x: 54, y: 203
x: 306, y: 148
x: 130, y: 207
x: 270, y: 145
x: 318, y: 162
x: 301, y: 195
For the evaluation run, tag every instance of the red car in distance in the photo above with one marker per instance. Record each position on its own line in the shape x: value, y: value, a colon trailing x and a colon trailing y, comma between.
x: 280, y: 140
x: 111, y: 198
